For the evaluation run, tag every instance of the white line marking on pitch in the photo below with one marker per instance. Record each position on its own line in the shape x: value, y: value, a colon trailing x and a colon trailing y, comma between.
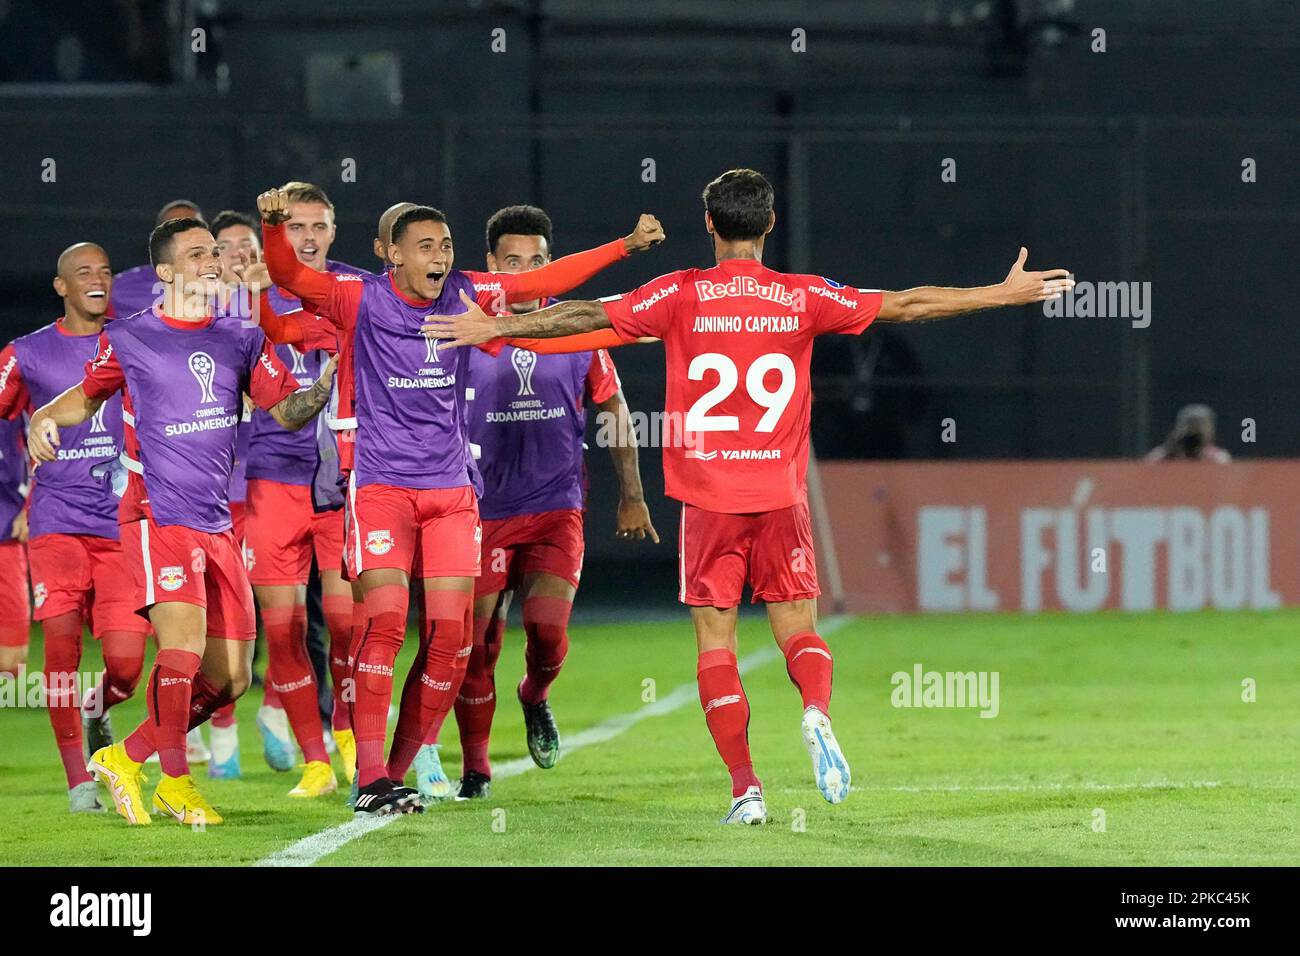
x: 1035, y: 787
x: 310, y: 850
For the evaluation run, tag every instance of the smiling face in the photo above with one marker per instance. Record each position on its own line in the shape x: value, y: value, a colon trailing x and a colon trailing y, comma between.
x: 310, y: 232
x: 84, y: 281
x: 194, y: 268
x: 423, y: 254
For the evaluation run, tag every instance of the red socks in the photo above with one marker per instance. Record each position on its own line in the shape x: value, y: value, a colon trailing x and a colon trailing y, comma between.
x: 435, y: 677
x: 808, y: 662
x: 62, y: 658
x: 546, y: 625
x: 224, y: 716
x: 290, y: 674
x: 338, y: 619
x: 726, y: 711
x: 168, y: 700
x: 372, y: 674
x: 477, y: 700
x: 207, y: 700
x: 123, y: 659
x: 349, y: 693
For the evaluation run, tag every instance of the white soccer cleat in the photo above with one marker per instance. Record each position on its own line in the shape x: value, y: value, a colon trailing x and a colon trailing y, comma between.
x: 196, y: 751
x: 830, y: 769
x: 84, y: 798
x: 748, y: 808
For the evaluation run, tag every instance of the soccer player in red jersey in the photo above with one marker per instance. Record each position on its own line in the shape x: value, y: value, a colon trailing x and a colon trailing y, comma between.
x: 738, y: 340
x: 183, y: 374
x: 15, y: 606
x: 295, y: 513
x: 410, y: 489
x: 527, y: 417
x: 77, y: 569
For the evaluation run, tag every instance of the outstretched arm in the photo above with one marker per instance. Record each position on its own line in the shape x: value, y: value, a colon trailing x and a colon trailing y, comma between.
x: 314, y: 288
x: 934, y: 302
x: 496, y: 290
x: 474, y: 326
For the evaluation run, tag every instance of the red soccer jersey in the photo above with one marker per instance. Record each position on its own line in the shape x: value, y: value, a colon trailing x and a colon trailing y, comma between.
x: 738, y: 340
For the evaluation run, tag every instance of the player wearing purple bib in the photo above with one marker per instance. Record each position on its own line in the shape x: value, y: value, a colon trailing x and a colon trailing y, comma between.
x: 138, y: 288
x: 410, y: 491
x: 183, y: 375
x: 76, y: 560
x: 527, y: 418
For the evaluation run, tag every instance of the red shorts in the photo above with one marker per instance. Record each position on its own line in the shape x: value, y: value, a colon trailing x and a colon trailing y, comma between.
x: 284, y: 531
x: 169, y: 562
x: 15, y: 611
x: 85, y: 574
x: 237, y: 510
x: 772, y: 550
x: 434, y: 531
x: 549, y: 542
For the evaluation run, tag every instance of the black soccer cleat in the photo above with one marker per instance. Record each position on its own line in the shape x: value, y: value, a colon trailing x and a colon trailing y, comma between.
x: 384, y: 798
x: 474, y: 786
x: 543, y: 735
x: 98, y: 732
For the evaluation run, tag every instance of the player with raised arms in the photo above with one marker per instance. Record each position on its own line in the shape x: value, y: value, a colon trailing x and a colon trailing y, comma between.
x: 409, y: 491
x: 738, y: 339
x: 527, y: 416
x: 295, y: 512
x: 183, y: 375
x: 77, y: 568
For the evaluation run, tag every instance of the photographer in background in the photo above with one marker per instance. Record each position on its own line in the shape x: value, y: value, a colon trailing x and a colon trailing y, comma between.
x: 1192, y: 438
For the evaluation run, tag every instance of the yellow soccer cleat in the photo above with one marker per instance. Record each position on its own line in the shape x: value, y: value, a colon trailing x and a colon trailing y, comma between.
x: 346, y: 741
x: 180, y: 799
x: 122, y: 777
x: 317, y: 780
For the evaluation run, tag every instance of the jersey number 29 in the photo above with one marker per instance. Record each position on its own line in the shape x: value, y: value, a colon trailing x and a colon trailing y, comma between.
x: 698, y: 418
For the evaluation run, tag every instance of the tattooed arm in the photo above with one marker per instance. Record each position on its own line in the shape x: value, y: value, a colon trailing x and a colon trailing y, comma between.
x: 474, y: 326
x: 296, y: 410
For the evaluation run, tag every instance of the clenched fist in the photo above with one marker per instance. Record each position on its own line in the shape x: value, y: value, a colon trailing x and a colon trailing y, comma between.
x: 648, y: 232
x: 273, y: 205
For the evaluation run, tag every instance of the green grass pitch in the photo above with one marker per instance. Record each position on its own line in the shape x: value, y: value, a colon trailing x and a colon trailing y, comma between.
x: 1134, y: 721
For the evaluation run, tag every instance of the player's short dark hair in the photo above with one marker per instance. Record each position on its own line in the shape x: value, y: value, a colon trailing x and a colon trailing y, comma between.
x: 518, y: 221
x: 413, y: 215
x: 740, y: 204
x: 162, y: 216
x: 231, y: 217
x: 162, y: 240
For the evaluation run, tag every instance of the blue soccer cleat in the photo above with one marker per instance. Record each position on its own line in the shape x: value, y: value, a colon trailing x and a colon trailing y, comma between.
x: 430, y: 780
x: 277, y: 745
x: 830, y: 769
